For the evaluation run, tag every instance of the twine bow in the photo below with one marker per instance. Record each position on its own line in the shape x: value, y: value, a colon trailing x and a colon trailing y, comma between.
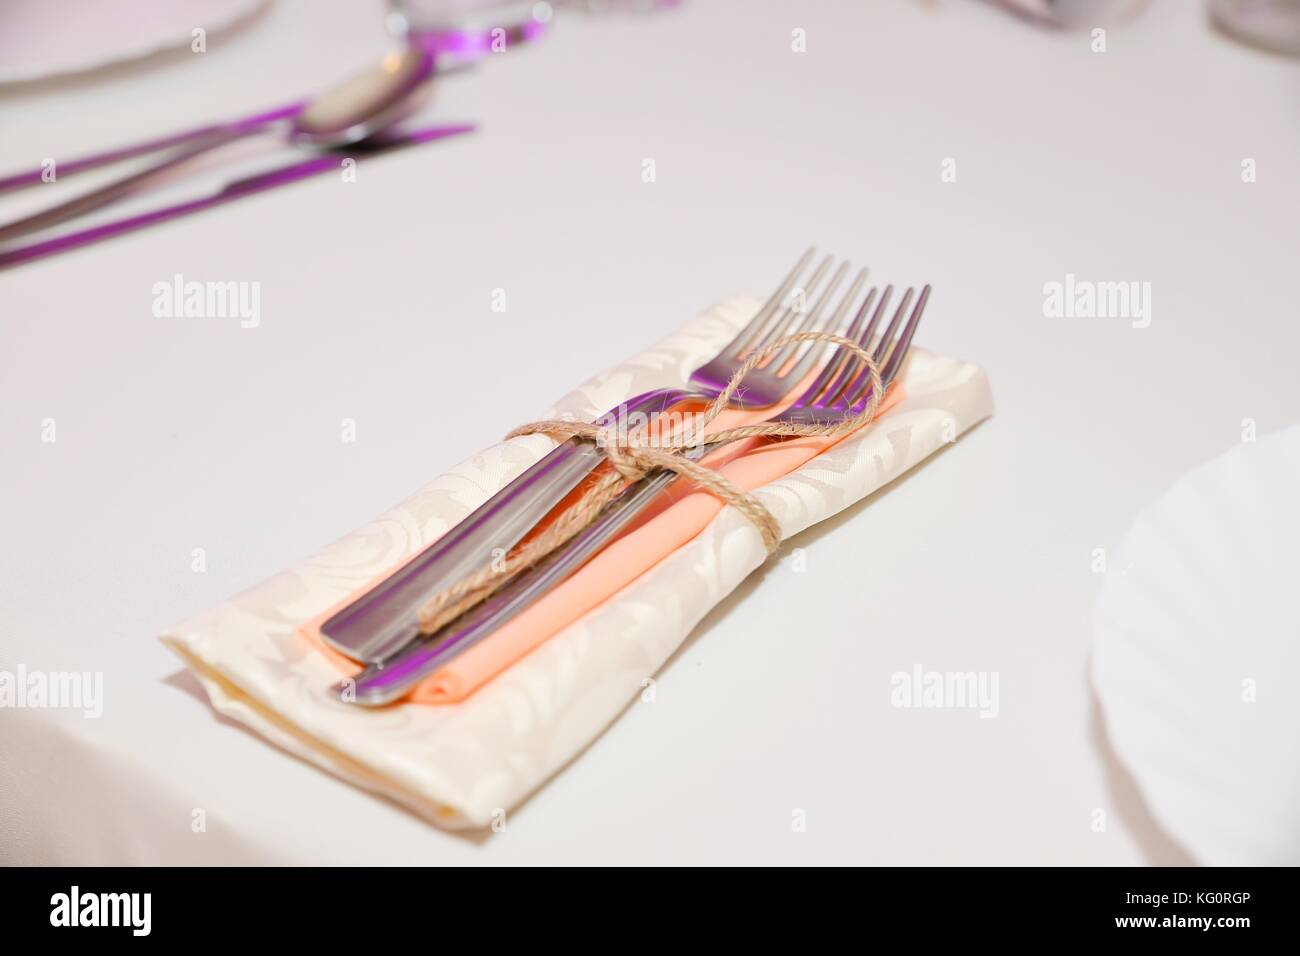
x: 632, y: 458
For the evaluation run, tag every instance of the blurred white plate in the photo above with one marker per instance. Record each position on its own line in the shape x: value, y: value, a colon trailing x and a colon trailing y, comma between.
x: 43, y: 38
x: 1199, y: 612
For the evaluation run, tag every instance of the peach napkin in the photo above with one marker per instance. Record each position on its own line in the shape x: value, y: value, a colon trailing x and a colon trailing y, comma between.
x: 466, y: 763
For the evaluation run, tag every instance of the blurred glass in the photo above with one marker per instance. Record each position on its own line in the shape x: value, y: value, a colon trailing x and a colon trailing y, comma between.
x: 1074, y: 14
x: 451, y: 16
x: 448, y: 16
x: 1267, y: 24
x: 616, y: 6
x: 458, y: 32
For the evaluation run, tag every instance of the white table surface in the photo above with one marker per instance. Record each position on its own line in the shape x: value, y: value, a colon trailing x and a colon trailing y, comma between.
x: 175, y: 434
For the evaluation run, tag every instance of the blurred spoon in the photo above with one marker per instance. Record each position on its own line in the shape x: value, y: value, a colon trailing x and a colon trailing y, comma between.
x: 359, y: 109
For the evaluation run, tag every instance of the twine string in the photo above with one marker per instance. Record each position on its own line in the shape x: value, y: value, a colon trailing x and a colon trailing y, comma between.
x: 632, y: 458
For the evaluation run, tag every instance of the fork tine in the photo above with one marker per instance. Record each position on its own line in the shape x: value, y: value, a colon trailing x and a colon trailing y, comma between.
x: 860, y: 388
x: 821, y: 390
x: 818, y: 349
x: 754, y: 334
x: 850, y: 365
x: 870, y: 331
x: 751, y: 334
x: 811, y: 321
x: 887, y: 337
x: 797, y: 306
x: 904, y: 343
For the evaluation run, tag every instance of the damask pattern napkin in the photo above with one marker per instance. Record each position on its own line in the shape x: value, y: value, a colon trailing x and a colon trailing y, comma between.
x: 462, y: 765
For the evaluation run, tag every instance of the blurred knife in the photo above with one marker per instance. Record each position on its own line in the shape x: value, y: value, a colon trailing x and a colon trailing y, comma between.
x: 238, y: 189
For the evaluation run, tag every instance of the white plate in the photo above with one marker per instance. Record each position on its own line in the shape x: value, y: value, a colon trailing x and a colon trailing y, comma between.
x: 43, y: 38
x: 1199, y: 612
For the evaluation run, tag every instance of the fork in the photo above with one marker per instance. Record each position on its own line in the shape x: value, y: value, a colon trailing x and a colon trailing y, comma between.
x: 384, y: 619
x: 840, y: 391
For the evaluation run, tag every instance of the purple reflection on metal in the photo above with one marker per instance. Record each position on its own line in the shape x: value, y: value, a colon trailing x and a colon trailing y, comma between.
x: 473, y: 44
x: 67, y: 168
x: 236, y: 190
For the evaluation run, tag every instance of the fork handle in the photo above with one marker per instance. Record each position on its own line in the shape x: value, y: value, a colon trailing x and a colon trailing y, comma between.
x: 385, y: 619
x: 384, y: 683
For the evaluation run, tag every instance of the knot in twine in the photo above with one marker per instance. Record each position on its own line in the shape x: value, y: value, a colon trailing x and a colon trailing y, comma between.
x: 632, y: 458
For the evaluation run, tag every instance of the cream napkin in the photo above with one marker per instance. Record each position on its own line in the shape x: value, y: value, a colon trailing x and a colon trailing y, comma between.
x: 464, y: 765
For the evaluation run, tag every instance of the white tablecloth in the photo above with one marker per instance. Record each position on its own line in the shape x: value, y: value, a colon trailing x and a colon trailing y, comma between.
x: 182, y: 434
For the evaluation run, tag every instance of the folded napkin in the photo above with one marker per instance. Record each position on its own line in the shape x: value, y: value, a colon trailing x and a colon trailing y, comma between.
x: 462, y: 764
